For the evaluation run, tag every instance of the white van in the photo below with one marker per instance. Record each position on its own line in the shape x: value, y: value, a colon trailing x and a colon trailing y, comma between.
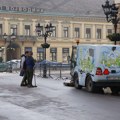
x: 95, y: 67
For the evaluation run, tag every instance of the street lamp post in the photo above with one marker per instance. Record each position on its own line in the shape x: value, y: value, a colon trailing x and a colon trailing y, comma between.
x: 111, y: 12
x: 77, y: 41
x: 10, y: 38
x: 47, y: 33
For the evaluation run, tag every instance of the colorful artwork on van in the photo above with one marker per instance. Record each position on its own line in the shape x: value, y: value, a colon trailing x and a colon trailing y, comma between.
x: 110, y: 56
x: 86, y: 59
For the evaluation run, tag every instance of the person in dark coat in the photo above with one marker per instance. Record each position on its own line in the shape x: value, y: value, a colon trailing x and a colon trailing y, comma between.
x: 30, y: 62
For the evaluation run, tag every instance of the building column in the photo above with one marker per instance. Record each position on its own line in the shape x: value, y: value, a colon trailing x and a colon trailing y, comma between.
x: 48, y: 53
x: 104, y: 32
x: 34, y: 50
x: 59, y: 54
x: 21, y: 26
x: 6, y: 28
x: 83, y: 31
x: 22, y: 50
x: 94, y: 32
x: 33, y: 27
x: 59, y: 29
x: 71, y: 30
x: 4, y: 54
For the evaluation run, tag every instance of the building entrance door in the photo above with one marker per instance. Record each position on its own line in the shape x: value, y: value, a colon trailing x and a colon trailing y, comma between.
x: 13, y: 52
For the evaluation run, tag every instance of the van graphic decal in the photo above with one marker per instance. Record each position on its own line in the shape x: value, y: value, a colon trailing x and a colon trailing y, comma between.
x: 86, y: 59
x: 110, y: 56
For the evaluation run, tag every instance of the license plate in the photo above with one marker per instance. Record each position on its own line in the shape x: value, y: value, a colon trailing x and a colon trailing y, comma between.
x: 113, y: 78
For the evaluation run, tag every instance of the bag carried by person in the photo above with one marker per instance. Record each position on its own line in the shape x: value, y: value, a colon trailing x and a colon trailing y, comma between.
x: 24, y: 64
x: 22, y: 72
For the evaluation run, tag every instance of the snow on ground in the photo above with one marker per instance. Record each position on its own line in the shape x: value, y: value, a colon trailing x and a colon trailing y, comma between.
x: 9, y: 110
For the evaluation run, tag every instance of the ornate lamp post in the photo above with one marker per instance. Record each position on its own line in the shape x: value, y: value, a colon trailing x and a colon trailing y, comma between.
x: 10, y: 38
x: 48, y: 30
x: 111, y: 12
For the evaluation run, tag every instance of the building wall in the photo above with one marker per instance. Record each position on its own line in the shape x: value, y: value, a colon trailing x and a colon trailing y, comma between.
x: 59, y: 41
x: 117, y: 1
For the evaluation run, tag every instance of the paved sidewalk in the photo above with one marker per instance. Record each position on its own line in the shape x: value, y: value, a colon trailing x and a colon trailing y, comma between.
x: 12, y: 98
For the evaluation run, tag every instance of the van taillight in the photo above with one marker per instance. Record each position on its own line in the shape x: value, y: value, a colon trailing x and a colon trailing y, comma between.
x: 106, y: 72
x: 99, y: 71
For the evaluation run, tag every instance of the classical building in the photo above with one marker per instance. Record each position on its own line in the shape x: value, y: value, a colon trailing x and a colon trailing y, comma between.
x: 73, y: 20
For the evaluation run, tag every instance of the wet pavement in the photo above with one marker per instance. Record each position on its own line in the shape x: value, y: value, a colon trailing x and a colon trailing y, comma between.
x: 51, y: 100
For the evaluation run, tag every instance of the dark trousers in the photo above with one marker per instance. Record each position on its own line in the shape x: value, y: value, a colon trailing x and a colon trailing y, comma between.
x: 29, y: 72
x: 24, y: 80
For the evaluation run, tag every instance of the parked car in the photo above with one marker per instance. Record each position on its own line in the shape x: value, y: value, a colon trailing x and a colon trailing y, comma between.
x: 3, y: 67
x: 15, y: 63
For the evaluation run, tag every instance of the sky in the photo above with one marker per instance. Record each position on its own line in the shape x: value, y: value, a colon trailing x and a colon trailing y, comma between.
x: 77, y: 7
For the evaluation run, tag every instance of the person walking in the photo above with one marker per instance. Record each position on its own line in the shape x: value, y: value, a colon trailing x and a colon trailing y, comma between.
x: 23, y: 68
x: 30, y: 62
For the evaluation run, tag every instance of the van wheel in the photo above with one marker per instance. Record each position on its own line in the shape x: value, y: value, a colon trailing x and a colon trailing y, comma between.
x: 90, y: 85
x: 115, y: 90
x: 76, y: 82
x: 99, y: 90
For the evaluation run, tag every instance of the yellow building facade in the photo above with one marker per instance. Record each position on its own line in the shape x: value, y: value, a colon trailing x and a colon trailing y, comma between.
x: 68, y: 29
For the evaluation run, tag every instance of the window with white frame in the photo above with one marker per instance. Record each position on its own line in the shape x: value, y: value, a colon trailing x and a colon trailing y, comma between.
x: 53, y: 54
x: 77, y: 32
x: 40, y: 54
x: 109, y: 31
x: 27, y: 30
x: 13, y: 29
x: 28, y: 48
x: 65, y: 32
x: 54, y: 32
x: 41, y: 30
x: 98, y: 33
x: 65, y: 54
x: 88, y: 33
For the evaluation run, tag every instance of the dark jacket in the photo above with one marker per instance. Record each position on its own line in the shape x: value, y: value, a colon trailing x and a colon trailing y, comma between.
x: 30, y: 62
